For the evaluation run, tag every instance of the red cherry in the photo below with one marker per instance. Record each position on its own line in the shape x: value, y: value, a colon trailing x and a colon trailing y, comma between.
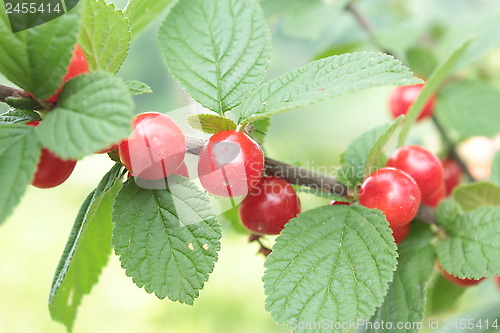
x: 452, y: 174
x: 458, y: 281
x: 156, y: 147
x: 497, y: 279
x: 230, y: 164
x: 335, y: 202
x: 392, y: 191
x: 107, y: 150
x: 51, y: 171
x: 400, y: 233
x: 182, y: 170
x: 436, y: 198
x: 77, y: 65
x: 403, y: 97
x: 421, y: 165
x: 269, y: 206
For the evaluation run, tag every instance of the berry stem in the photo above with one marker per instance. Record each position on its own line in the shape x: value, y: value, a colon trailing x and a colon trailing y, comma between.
x: 6, y: 92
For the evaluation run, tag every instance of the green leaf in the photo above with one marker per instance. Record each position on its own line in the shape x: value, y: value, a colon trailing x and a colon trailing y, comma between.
x: 94, y: 112
x: 472, y: 246
x: 36, y: 59
x: 14, y: 116
x: 230, y: 217
x: 167, y: 240
x: 438, y: 76
x: 210, y: 123
x: 104, y: 35
x: 23, y: 103
x: 322, y: 79
x: 137, y: 88
x: 331, y: 263
x: 87, y: 250
x: 469, y: 108
x: 405, y: 301
x: 141, y: 13
x: 475, y: 195
x: 421, y: 61
x: 364, y: 153
x: 443, y: 295
x: 260, y: 128
x: 217, y: 50
x: 19, y: 156
x: 495, y: 169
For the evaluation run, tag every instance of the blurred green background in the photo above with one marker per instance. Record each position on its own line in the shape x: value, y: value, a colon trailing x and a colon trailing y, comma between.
x: 34, y: 236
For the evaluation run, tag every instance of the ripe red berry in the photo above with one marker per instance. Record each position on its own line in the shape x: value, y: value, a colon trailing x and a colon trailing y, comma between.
x: 400, y: 233
x: 269, y: 206
x: 497, y: 279
x: 458, y: 281
x: 182, y: 170
x: 422, y: 165
x: 230, y: 164
x: 392, y: 191
x: 436, y: 198
x: 452, y: 174
x: 403, y: 97
x: 156, y: 147
x: 51, y: 171
x: 107, y: 150
x: 78, y: 65
x: 335, y: 203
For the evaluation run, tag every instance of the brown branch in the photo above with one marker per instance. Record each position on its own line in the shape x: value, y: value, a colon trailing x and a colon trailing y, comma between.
x: 304, y: 177
x: 6, y: 92
x: 452, y: 149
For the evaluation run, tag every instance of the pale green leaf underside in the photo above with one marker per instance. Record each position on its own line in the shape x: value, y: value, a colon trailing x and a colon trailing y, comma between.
x: 217, y: 50
x: 36, y: 59
x: 167, y: 240
x: 19, y: 156
x: 472, y: 248
x: 210, y: 123
x: 137, y: 87
x: 469, y: 108
x: 405, y: 301
x: 475, y: 195
x: 18, y: 116
x: 104, y: 35
x: 94, y: 112
x: 325, y: 78
x: 331, y: 263
x: 86, y: 252
x: 141, y: 13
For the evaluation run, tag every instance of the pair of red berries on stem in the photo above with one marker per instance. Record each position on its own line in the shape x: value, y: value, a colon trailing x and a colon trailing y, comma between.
x: 230, y: 164
x: 51, y: 170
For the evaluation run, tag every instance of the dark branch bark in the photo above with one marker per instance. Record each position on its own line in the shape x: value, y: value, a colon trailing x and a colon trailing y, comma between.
x: 6, y: 92
x: 304, y: 177
x: 452, y: 148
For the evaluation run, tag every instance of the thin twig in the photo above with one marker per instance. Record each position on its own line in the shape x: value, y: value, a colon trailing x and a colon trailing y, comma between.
x: 6, y: 92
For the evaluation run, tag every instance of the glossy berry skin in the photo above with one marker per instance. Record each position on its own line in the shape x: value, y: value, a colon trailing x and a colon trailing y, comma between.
x: 78, y: 65
x: 392, y: 191
x: 269, y: 206
x: 403, y: 97
x: 458, y: 281
x: 335, y: 203
x: 400, y: 233
x: 51, y: 171
x: 156, y: 147
x: 422, y: 165
x: 436, y: 198
x: 231, y: 163
x: 452, y: 174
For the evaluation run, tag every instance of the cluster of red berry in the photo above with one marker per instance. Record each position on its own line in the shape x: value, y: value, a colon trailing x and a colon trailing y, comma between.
x: 52, y: 171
